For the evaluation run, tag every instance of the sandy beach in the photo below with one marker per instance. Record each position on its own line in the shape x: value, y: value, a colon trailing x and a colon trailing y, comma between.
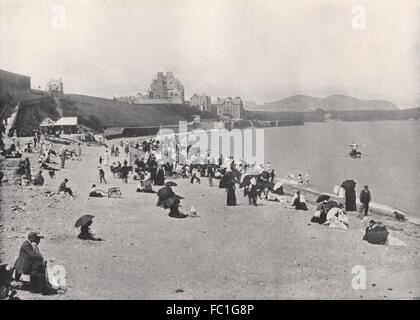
x: 242, y: 252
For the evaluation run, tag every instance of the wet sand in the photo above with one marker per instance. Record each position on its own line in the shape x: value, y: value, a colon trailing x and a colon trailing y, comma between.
x: 242, y: 252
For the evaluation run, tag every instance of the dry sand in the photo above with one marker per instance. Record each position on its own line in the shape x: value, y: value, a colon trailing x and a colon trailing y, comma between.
x: 242, y: 252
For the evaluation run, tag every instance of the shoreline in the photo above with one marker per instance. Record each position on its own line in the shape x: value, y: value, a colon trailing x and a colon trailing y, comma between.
x: 375, y: 208
x: 243, y: 252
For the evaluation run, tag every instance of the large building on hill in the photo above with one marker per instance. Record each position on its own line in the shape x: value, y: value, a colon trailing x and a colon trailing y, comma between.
x: 201, y: 102
x: 55, y: 86
x: 230, y: 107
x: 167, y: 88
x: 12, y: 83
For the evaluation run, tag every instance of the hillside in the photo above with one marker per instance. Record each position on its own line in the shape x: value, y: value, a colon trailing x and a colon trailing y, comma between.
x: 98, y: 113
x: 303, y: 103
x: 112, y: 113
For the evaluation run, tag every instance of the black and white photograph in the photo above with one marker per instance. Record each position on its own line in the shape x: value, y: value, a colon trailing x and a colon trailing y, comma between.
x: 202, y: 150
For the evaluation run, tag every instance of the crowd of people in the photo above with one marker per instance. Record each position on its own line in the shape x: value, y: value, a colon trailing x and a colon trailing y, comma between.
x: 153, y: 164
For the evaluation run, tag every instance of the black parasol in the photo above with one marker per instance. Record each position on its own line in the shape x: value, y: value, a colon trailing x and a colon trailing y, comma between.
x: 323, y: 197
x: 171, y: 184
x: 83, y: 220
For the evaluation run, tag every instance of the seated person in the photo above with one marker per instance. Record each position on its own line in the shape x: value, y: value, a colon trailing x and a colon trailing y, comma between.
x: 299, y: 201
x: 140, y: 186
x: 194, y: 177
x: 39, y: 179
x: 28, y: 148
x: 94, y: 192
x: 85, y: 233
x: 63, y: 187
x: 145, y: 186
x: 31, y: 262
x: 12, y: 148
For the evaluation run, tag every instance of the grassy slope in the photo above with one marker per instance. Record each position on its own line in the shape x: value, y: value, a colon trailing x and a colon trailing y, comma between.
x: 98, y: 113
x: 109, y: 113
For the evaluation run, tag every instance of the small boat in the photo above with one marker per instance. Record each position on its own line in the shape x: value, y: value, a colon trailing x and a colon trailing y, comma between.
x: 355, y: 154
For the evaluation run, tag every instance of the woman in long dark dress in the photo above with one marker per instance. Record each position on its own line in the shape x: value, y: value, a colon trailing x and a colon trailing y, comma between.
x: 231, y: 197
x: 229, y: 184
x: 160, y: 176
x: 350, y: 194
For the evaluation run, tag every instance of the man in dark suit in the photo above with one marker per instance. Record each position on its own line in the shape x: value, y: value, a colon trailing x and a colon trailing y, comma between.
x: 365, y: 197
x: 63, y: 187
x: 31, y: 262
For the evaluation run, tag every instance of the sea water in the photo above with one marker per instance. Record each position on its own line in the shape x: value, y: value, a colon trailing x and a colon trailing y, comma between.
x: 390, y: 162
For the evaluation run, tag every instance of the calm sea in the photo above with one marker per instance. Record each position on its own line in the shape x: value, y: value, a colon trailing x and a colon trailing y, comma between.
x: 390, y: 164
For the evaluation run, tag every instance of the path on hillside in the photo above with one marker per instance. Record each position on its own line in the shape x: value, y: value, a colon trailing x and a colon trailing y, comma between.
x: 59, y: 106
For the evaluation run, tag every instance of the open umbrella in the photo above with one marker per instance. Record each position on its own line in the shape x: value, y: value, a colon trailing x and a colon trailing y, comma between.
x: 265, y: 175
x: 322, y: 198
x: 165, y: 193
x: 171, y: 184
x: 83, y: 220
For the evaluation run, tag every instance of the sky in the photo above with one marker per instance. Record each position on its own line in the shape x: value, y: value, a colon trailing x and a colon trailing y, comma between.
x: 260, y: 50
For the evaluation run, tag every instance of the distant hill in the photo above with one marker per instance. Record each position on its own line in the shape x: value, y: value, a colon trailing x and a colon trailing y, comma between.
x: 250, y: 105
x: 303, y: 103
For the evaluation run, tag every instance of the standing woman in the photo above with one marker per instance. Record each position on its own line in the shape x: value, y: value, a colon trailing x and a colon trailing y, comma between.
x: 231, y: 197
x: 106, y: 157
x: 160, y: 175
x: 210, y: 174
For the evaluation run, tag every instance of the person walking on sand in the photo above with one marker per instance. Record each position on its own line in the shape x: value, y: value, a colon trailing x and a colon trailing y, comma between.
x: 79, y: 148
x: 101, y: 175
x: 365, y: 197
x: 124, y: 173
x: 210, y: 172
x: 106, y: 157
x: 100, y: 160
x: 63, y: 158
x: 127, y: 150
